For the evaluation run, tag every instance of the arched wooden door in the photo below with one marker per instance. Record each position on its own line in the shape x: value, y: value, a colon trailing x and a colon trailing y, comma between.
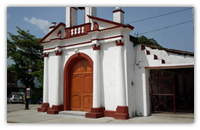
x: 81, y: 86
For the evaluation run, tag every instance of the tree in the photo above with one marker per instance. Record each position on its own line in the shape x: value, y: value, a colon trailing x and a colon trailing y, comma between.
x: 39, y: 73
x: 26, y: 52
x: 150, y: 41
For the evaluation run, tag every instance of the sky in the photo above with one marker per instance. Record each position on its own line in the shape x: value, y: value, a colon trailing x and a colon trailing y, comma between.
x: 181, y: 37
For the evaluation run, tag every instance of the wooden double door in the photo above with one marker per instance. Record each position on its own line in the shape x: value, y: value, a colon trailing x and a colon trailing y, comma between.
x: 81, y: 86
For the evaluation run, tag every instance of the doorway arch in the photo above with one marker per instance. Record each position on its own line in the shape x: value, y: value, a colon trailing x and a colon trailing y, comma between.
x: 68, y: 76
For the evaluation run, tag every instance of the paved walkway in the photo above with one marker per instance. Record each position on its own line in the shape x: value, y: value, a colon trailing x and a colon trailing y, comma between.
x: 18, y: 106
x: 32, y: 116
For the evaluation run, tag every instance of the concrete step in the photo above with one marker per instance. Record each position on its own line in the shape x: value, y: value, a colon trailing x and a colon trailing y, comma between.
x: 176, y: 115
x: 74, y: 113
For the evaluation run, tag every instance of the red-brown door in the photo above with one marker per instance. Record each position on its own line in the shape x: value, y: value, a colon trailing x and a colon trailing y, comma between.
x: 81, y: 86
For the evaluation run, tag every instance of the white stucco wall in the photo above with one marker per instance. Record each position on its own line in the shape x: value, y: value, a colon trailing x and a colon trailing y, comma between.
x: 141, y: 75
x: 171, y: 58
x: 108, y: 76
x: 108, y: 73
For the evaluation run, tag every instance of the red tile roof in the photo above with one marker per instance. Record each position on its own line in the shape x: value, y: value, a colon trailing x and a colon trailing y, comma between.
x: 135, y: 41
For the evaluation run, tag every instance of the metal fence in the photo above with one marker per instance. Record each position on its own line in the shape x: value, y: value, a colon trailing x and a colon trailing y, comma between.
x: 162, y: 94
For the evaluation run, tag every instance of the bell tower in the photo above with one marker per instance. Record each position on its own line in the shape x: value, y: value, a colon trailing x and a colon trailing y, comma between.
x: 92, y: 11
x: 71, y: 15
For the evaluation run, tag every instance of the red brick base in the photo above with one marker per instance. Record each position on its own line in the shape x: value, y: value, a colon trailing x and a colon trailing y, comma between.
x: 55, y: 109
x: 109, y: 113
x: 44, y: 107
x: 121, y: 112
x: 95, y: 113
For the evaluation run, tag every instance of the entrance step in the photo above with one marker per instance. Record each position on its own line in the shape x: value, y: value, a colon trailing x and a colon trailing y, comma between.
x: 176, y: 115
x: 74, y: 113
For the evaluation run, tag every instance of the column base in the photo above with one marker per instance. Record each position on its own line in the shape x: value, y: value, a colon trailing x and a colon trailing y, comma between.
x: 95, y: 113
x: 109, y: 113
x: 44, y: 107
x: 55, y: 109
x: 121, y: 113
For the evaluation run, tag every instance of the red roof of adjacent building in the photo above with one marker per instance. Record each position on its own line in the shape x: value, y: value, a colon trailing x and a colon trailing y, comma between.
x: 135, y: 41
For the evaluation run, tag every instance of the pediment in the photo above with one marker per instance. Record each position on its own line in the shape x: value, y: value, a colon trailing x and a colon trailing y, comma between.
x: 56, y: 33
x: 103, y: 23
x: 107, y: 24
x: 60, y: 32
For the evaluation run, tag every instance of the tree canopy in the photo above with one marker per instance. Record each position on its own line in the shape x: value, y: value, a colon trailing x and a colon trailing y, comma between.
x: 26, y: 53
x: 150, y: 41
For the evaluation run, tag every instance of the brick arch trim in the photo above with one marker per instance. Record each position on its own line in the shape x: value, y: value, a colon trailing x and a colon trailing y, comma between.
x: 67, y: 70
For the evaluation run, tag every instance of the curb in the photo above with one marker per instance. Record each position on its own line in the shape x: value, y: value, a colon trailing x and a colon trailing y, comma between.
x: 190, y: 116
x: 12, y: 122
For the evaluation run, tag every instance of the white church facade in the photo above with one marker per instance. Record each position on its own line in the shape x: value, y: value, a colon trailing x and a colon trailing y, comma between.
x: 99, y: 68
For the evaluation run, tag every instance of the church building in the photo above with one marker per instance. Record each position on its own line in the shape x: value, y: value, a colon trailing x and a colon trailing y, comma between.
x: 100, y: 68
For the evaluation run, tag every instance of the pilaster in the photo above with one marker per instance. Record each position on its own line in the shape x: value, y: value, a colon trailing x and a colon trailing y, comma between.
x: 96, y: 110
x: 45, y: 104
x: 58, y: 54
x: 56, y: 105
x: 122, y: 108
x: 96, y: 76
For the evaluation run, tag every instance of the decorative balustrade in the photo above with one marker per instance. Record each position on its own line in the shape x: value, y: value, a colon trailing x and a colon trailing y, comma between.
x: 77, y: 30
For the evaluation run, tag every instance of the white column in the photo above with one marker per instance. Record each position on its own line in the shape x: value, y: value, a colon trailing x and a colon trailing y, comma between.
x: 45, y: 82
x: 68, y: 16
x: 57, y: 76
x: 121, y: 82
x: 96, y: 77
x: 92, y: 11
x: 71, y: 16
x: 144, y: 94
